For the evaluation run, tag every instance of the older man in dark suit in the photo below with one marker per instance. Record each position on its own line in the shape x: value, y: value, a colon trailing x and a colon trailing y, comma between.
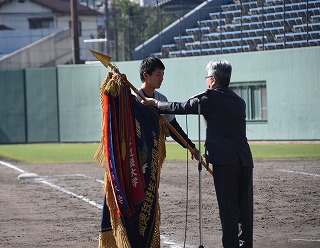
x: 227, y: 150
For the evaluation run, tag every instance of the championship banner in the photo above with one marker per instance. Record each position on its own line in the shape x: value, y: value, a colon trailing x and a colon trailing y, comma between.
x: 132, y: 149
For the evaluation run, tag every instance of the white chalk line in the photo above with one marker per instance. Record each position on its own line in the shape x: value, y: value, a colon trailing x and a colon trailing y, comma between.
x: 41, y: 179
x: 301, y: 173
x: 85, y: 199
x: 75, y: 175
x: 12, y: 166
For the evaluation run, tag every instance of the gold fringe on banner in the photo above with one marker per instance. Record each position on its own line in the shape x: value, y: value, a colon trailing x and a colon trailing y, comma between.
x: 119, y: 231
x: 106, y: 239
x: 155, y: 243
x: 100, y: 156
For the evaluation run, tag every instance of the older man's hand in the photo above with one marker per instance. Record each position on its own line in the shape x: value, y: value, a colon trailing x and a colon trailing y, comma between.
x: 150, y: 102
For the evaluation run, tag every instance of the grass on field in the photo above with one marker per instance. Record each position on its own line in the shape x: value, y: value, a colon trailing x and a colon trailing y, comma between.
x: 83, y: 153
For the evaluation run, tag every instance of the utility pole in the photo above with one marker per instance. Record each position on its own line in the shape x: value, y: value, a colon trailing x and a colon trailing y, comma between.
x: 106, y: 19
x: 75, y: 32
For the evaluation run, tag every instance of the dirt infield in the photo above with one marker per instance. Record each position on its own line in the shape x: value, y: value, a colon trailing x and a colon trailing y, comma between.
x: 61, y: 208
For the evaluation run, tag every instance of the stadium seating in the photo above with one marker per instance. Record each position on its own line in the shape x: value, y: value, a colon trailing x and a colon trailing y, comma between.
x: 250, y: 26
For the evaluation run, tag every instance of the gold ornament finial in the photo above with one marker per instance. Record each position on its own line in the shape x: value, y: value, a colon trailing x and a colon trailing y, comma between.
x: 104, y: 59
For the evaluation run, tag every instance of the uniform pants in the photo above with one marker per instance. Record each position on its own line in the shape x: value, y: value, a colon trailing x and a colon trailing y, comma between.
x: 234, y: 190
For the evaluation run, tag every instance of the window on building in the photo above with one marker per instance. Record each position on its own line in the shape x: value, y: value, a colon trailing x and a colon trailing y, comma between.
x: 255, y: 96
x: 42, y: 22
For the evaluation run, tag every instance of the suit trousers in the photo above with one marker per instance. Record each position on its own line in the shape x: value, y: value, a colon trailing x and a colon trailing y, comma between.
x: 234, y: 191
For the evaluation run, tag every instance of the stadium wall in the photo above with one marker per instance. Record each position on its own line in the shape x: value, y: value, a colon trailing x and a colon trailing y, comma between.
x: 12, y: 107
x: 63, y: 104
x: 41, y: 105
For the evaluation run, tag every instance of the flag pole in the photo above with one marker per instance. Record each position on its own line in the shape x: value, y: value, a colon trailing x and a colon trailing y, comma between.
x: 105, y: 60
x: 200, y: 178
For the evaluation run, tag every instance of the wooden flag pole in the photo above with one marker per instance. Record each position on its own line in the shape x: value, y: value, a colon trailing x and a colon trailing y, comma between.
x: 105, y: 60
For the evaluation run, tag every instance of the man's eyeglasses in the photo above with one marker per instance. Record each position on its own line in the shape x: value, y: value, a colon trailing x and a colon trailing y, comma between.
x: 206, y: 77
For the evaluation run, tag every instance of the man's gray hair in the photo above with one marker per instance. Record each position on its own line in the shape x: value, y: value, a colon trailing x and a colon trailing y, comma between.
x: 221, y: 69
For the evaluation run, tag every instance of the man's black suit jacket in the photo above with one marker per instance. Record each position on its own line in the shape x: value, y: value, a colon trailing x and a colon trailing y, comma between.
x: 225, y: 115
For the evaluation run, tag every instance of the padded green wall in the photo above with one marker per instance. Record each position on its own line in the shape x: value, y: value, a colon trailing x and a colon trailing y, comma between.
x: 42, y: 105
x: 293, y: 89
x: 79, y: 103
x: 12, y: 107
x: 63, y: 103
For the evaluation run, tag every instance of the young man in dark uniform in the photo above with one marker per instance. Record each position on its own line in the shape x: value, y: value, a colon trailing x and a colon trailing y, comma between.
x: 151, y: 75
